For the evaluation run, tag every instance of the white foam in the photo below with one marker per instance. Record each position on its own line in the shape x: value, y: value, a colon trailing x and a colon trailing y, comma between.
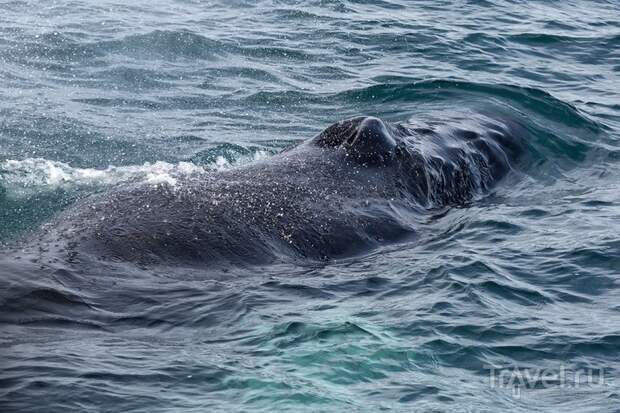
x: 27, y: 176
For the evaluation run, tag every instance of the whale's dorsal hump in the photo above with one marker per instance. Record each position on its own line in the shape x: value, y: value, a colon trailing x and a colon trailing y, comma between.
x: 365, y: 139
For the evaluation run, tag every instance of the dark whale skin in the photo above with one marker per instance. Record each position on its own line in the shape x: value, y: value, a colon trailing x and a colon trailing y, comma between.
x: 360, y: 183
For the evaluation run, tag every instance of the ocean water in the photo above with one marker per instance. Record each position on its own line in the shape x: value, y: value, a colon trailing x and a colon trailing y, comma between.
x: 511, y: 303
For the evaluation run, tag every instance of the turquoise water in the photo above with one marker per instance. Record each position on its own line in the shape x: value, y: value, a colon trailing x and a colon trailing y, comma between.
x: 97, y: 94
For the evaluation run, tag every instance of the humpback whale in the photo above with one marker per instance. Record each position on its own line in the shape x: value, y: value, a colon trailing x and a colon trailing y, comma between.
x: 360, y: 183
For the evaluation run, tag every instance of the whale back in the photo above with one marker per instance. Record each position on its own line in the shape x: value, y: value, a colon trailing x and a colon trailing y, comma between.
x: 359, y: 183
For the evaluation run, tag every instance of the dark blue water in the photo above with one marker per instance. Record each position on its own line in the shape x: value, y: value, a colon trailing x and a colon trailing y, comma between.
x: 521, y: 282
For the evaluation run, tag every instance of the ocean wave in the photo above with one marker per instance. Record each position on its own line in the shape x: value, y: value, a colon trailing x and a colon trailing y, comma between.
x: 165, y: 44
x: 532, y: 100
x: 63, y: 47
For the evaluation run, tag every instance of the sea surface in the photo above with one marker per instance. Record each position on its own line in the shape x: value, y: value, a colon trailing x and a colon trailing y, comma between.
x: 509, y: 304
